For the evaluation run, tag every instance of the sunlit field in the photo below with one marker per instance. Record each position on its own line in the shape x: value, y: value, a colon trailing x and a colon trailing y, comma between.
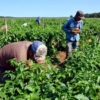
x: 77, y: 79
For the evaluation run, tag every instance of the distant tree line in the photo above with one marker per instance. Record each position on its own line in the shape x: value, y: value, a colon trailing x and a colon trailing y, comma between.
x: 6, y: 17
x: 92, y: 15
x: 1, y: 16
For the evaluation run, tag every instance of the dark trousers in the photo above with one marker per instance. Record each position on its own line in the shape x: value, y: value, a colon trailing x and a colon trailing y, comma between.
x: 2, y: 78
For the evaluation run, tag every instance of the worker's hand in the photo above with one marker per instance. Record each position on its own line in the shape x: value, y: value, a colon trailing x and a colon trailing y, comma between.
x: 28, y: 62
x: 75, y: 31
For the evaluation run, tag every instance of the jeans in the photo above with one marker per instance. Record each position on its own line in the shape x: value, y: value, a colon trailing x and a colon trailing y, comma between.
x: 71, y: 45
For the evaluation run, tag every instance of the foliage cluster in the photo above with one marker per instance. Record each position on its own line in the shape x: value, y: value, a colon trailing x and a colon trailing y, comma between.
x: 78, y: 79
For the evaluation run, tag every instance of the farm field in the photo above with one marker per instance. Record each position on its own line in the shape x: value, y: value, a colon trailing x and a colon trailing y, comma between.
x: 77, y: 79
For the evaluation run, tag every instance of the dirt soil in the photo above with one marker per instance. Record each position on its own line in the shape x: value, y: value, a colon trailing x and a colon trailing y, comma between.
x: 61, y: 56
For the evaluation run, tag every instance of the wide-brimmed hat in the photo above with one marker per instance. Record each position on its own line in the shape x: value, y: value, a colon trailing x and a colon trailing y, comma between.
x: 40, y: 51
x: 80, y: 14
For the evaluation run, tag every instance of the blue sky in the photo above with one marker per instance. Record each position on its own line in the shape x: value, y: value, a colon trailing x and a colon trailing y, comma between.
x: 47, y: 8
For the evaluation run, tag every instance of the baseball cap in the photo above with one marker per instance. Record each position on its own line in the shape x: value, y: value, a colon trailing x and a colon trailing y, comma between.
x: 80, y: 14
x: 40, y: 51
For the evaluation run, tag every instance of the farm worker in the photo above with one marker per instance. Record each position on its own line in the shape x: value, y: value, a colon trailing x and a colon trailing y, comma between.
x: 73, y: 28
x: 22, y: 50
x: 38, y: 20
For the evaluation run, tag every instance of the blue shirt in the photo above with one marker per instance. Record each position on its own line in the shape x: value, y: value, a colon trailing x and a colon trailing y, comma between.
x: 38, y: 19
x: 69, y: 25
